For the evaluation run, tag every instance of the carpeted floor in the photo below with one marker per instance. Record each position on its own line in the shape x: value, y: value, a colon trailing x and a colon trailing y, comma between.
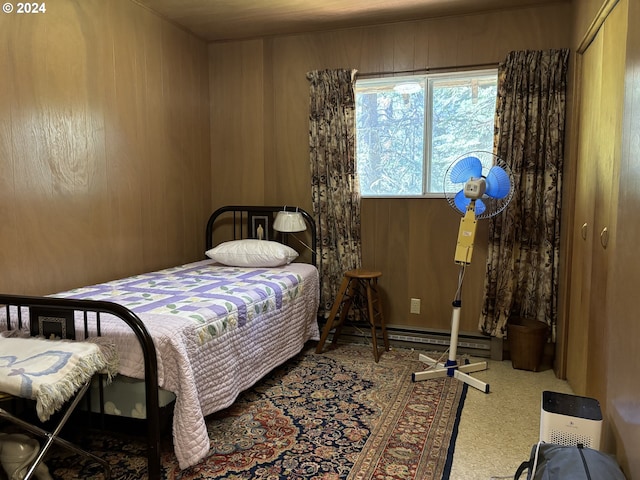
x: 337, y: 415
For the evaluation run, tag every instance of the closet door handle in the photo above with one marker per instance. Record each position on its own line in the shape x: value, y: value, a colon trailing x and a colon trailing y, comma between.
x: 604, y: 237
x: 583, y: 231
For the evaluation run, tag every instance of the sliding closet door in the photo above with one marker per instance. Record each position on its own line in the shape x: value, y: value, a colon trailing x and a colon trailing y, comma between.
x: 578, y: 333
x: 606, y: 180
x: 601, y: 99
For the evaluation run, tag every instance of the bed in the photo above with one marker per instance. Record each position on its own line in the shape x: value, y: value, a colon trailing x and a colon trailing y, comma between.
x: 204, y: 331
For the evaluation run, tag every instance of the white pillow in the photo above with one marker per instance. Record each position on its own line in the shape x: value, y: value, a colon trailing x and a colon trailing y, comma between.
x: 252, y: 253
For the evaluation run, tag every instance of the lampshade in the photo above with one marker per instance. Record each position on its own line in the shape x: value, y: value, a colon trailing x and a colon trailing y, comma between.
x: 288, y: 222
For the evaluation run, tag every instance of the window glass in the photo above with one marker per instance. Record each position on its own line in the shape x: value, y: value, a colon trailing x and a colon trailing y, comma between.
x: 409, y: 129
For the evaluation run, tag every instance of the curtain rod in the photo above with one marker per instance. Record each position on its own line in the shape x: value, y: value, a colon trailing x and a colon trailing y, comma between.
x: 427, y: 70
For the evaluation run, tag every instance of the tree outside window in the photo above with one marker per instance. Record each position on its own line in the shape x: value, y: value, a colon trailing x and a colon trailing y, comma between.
x: 409, y: 129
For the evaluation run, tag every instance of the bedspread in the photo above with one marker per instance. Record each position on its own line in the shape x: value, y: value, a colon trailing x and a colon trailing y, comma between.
x: 216, y: 299
x: 217, y: 331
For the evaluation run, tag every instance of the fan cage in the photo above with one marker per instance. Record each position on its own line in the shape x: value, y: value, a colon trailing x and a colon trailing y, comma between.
x: 493, y: 205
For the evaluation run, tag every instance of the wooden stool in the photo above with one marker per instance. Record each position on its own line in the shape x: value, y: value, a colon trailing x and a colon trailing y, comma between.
x: 359, y: 282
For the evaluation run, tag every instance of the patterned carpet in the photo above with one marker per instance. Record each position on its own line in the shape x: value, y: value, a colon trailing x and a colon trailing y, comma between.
x: 338, y: 415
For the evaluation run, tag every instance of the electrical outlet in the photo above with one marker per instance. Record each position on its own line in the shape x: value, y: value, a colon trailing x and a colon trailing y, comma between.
x: 415, y: 305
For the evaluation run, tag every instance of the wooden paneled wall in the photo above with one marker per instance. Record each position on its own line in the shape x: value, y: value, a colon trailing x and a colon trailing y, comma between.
x: 104, y: 145
x: 623, y: 387
x: 259, y: 96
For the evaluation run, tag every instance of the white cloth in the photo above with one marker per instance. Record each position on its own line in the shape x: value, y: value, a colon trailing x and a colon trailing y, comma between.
x: 50, y: 371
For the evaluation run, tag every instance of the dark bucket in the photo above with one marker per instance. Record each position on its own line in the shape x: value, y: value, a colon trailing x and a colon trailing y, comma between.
x: 527, y: 338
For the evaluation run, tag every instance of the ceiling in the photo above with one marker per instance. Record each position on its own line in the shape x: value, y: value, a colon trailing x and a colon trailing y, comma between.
x: 219, y: 20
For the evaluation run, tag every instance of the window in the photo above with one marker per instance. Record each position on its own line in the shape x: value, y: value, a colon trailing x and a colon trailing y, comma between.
x: 409, y: 129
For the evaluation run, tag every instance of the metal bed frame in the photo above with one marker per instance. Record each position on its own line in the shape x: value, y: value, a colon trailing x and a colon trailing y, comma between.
x: 240, y: 216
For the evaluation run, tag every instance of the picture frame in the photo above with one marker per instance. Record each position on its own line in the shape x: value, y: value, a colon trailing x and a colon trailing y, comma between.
x: 52, y: 323
x: 260, y: 223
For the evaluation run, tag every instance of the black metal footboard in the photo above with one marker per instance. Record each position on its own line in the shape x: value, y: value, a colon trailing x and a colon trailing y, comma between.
x: 57, y: 312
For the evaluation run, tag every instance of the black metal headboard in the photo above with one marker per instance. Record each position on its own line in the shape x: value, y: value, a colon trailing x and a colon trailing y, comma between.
x: 243, y: 221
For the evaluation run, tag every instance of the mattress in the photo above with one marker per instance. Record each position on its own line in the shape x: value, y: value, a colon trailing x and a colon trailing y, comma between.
x: 217, y: 331
x: 124, y: 397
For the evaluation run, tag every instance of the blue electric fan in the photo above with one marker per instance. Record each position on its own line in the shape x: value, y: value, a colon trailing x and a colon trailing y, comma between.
x: 477, y: 185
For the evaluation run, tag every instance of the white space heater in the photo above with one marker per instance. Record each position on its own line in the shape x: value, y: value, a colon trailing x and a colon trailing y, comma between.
x: 569, y: 420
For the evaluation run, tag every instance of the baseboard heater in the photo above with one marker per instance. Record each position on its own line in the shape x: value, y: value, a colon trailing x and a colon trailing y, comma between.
x: 419, y: 339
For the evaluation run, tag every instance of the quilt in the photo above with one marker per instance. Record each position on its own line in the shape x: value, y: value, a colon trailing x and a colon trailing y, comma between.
x: 217, y: 330
x: 216, y: 299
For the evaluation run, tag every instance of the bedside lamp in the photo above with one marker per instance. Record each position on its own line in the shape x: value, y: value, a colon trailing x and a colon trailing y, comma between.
x: 289, y: 222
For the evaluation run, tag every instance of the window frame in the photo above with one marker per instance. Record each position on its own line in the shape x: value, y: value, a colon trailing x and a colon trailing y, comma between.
x: 427, y: 79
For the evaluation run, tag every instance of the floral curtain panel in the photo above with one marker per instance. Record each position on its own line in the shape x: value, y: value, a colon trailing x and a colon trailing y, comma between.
x: 523, y: 256
x: 334, y: 183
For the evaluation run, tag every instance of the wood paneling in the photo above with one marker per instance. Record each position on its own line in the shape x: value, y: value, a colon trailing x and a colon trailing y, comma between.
x: 392, y: 230
x: 238, y: 116
x: 242, y: 19
x: 410, y: 241
x: 104, y: 145
x: 623, y: 387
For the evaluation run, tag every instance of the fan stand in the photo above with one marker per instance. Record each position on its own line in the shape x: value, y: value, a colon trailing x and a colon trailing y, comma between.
x: 435, y: 369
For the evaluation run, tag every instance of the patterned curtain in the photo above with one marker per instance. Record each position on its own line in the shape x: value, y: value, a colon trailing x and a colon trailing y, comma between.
x: 522, y: 266
x: 334, y: 183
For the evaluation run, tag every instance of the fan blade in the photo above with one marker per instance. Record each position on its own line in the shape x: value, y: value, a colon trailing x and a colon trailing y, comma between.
x: 461, y: 201
x: 463, y: 170
x: 480, y: 207
x: 498, y: 183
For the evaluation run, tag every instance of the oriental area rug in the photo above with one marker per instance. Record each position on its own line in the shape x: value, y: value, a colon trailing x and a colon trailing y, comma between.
x: 336, y: 415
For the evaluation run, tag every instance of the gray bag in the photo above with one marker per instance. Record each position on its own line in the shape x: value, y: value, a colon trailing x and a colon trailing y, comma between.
x: 563, y: 462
